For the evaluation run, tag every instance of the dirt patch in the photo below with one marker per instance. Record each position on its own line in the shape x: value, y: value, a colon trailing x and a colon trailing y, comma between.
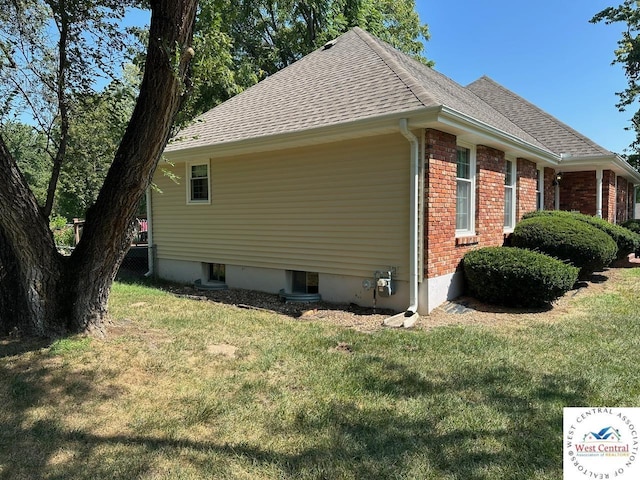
x: 222, y: 349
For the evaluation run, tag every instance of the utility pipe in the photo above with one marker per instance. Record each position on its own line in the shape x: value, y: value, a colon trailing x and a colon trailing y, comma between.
x: 599, y: 193
x: 408, y: 318
x: 150, y: 255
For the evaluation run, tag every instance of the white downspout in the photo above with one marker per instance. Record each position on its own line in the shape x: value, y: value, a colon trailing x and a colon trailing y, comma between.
x: 599, y: 193
x: 409, y: 318
x: 150, y: 255
x: 615, y: 201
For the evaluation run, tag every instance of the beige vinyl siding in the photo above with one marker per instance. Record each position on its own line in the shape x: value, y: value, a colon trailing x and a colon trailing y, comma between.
x: 341, y: 208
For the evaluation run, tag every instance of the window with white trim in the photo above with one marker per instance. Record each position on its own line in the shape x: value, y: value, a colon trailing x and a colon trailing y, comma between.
x: 198, y: 183
x: 509, y: 194
x: 465, y: 191
x: 540, y: 190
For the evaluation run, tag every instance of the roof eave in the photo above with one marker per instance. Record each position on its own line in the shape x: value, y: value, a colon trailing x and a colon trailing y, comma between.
x: 311, y: 136
x: 484, y: 134
x: 606, y: 162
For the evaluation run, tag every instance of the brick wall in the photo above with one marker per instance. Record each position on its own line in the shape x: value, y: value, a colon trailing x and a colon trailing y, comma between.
x: 527, y: 180
x: 443, y: 250
x: 440, y: 216
x: 622, y: 199
x: 549, y: 189
x: 608, y: 195
x: 490, y: 195
x: 578, y: 192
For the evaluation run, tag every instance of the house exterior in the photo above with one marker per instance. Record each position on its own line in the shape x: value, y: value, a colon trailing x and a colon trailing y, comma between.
x: 361, y: 175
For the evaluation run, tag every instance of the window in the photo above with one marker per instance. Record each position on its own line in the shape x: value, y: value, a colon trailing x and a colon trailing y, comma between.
x: 217, y: 272
x: 465, y: 191
x: 304, y: 282
x: 198, y: 183
x: 509, y: 194
x: 540, y: 190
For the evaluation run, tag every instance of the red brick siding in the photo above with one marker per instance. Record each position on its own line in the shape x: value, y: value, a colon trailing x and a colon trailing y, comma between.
x: 608, y: 195
x: 549, y: 189
x: 443, y: 251
x: 490, y: 195
x: 622, y: 210
x: 578, y: 192
x: 527, y: 180
x: 440, y: 214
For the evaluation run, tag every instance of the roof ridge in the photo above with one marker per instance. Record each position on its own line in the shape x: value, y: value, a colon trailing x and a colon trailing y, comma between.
x: 402, y: 73
x: 558, y: 122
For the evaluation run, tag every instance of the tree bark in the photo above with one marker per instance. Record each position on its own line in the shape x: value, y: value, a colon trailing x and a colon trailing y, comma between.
x: 45, y: 294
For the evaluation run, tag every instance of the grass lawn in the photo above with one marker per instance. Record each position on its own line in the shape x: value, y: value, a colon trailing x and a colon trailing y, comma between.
x: 186, y: 389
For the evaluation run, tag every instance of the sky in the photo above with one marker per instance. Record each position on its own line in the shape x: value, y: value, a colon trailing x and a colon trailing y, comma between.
x: 545, y: 51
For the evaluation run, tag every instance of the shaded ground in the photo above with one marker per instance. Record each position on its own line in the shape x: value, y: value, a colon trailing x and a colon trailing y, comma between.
x: 462, y: 311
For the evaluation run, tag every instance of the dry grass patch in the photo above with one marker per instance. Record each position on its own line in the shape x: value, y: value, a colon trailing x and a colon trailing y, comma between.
x: 192, y: 389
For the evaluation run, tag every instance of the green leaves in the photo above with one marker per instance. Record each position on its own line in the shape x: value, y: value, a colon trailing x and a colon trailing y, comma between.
x: 627, y: 54
x: 239, y: 42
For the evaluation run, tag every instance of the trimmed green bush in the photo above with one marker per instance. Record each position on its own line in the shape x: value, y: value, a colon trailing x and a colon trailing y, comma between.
x: 567, y: 239
x: 633, y: 225
x: 626, y: 241
x: 516, y: 277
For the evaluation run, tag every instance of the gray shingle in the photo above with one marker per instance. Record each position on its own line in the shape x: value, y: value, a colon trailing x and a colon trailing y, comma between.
x: 551, y: 132
x: 360, y: 77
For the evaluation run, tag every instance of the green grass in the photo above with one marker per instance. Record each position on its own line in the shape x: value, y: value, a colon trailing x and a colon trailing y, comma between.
x: 185, y: 389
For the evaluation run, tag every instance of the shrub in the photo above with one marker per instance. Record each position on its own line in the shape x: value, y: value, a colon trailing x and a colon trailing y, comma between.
x: 62, y: 233
x: 567, y: 239
x: 516, y: 277
x: 627, y: 241
x: 633, y: 225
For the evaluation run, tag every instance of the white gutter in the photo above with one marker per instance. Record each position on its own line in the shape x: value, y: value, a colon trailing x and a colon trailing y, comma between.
x: 150, y: 255
x: 409, y: 318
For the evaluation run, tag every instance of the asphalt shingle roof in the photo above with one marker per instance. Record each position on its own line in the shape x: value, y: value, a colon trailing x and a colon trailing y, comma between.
x: 346, y: 82
x: 361, y: 77
x: 548, y: 130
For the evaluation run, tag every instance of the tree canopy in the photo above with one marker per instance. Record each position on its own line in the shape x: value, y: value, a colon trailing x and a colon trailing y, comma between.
x: 628, y: 55
x: 239, y: 42
x: 41, y: 291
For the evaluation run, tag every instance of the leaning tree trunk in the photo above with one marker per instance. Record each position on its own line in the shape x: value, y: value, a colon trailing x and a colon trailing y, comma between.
x: 46, y: 294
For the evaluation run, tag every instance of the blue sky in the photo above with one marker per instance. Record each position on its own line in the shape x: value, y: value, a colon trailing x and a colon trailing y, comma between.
x: 545, y: 51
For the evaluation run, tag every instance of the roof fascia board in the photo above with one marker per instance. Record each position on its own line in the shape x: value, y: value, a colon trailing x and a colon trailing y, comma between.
x: 607, y: 162
x: 315, y: 136
x: 478, y: 128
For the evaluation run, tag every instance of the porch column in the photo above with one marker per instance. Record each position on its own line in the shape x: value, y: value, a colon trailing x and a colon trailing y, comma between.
x: 599, y: 193
x: 615, y: 201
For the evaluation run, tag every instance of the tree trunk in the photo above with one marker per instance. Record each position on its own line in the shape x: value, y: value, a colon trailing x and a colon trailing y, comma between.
x: 46, y: 294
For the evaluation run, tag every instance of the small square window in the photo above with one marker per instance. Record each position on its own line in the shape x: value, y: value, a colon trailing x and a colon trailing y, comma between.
x: 217, y: 272
x: 304, y: 282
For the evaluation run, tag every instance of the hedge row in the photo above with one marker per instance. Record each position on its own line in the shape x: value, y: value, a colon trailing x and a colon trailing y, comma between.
x: 516, y: 277
x: 633, y: 225
x: 626, y: 239
x: 566, y: 238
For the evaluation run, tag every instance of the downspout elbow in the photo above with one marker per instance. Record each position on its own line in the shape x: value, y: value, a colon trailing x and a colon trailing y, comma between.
x: 410, y: 316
